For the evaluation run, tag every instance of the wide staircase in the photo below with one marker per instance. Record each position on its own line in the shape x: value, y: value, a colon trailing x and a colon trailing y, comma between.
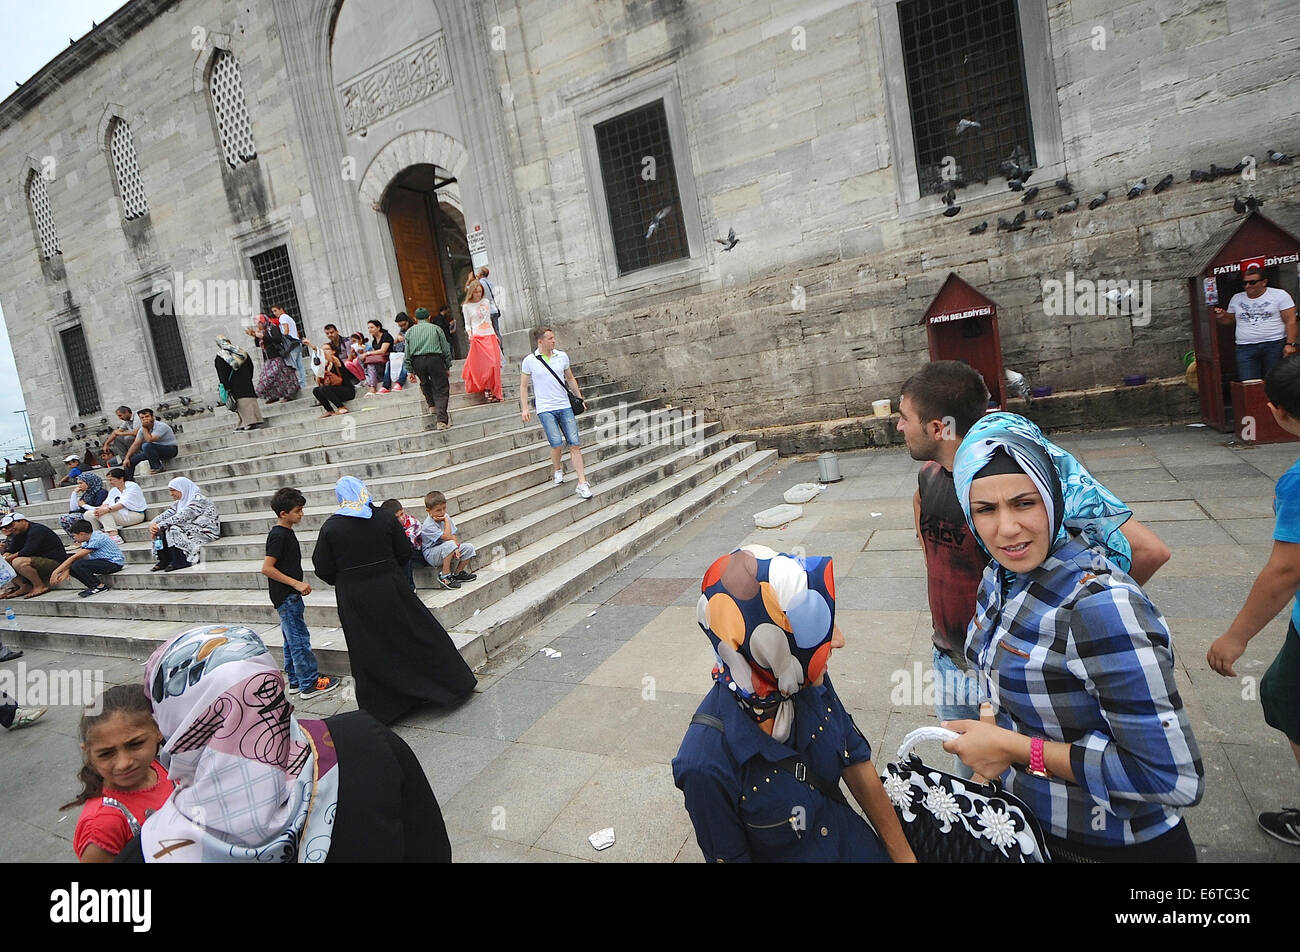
x: 540, y: 545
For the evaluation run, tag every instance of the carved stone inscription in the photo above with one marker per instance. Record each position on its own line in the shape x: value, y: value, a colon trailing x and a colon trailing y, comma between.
x: 416, y: 73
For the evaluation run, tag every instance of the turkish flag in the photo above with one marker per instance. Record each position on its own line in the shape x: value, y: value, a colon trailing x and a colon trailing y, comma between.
x: 1248, y: 263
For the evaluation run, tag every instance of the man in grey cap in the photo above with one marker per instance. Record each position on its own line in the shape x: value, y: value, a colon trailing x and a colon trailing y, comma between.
x: 34, y: 552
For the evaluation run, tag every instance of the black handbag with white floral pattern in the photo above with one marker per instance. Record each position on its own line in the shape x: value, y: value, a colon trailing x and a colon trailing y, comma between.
x: 947, y: 819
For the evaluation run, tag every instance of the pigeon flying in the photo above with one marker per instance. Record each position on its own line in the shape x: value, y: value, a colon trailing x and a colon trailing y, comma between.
x: 1164, y: 183
x: 658, y: 219
x: 1099, y: 200
x: 730, y: 241
x: 964, y: 124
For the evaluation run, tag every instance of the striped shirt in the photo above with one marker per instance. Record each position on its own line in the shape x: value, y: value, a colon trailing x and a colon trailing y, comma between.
x: 1074, y: 651
x: 101, y: 546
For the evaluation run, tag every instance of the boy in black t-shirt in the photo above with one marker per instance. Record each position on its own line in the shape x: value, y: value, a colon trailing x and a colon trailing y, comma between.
x: 283, y: 567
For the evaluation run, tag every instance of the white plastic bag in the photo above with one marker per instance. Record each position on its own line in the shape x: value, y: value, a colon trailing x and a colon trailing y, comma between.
x: 801, y: 493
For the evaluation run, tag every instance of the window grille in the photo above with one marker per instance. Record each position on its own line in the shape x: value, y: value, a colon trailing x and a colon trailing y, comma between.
x: 160, y: 313
x: 77, y: 354
x: 39, y: 199
x: 637, y: 190
x: 126, y: 167
x: 232, y: 111
x: 963, y: 60
x: 275, y: 284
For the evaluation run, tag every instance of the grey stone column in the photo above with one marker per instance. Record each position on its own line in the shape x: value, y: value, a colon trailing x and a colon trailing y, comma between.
x: 304, y: 36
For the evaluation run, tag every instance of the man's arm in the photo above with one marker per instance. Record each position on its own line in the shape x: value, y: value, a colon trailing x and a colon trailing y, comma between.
x: 1288, y: 318
x: 524, y: 380
x: 1276, y: 585
x: 1149, y: 553
x: 568, y: 375
x: 916, y: 518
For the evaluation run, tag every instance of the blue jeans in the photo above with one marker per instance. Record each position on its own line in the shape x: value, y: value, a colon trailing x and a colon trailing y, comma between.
x: 295, y: 358
x: 1254, y: 361
x: 555, y: 421
x: 956, y: 696
x: 154, y: 454
x: 299, y: 661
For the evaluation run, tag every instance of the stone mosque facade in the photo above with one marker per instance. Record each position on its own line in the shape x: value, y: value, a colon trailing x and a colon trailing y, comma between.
x: 189, y: 163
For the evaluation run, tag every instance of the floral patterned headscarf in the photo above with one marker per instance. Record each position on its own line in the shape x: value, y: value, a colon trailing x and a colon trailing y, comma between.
x: 95, y: 493
x: 770, y: 618
x: 353, y: 498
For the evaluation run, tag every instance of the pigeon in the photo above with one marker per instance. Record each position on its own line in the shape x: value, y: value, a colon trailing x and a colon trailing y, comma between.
x: 730, y: 241
x: 980, y: 228
x: 1043, y: 215
x: 1020, y: 218
x: 1137, y: 189
x: 949, y: 197
x: 1253, y: 203
x: 1004, y: 225
x: 1064, y: 185
x: 1164, y: 183
x: 1015, y: 184
x: 1069, y: 206
x: 1278, y: 158
x: 1239, y: 206
x: 1019, y: 384
x: 1236, y: 169
x: 658, y: 219
x: 1199, y: 176
x: 952, y: 211
x: 964, y: 124
x: 1099, y: 200
x: 1031, y: 193
x: 185, y: 402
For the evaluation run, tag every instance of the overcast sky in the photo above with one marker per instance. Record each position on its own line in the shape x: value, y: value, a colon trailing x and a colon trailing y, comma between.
x: 33, y: 34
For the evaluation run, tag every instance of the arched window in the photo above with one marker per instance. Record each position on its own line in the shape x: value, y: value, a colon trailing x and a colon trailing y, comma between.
x: 127, y: 169
x: 39, y: 200
x: 227, y: 89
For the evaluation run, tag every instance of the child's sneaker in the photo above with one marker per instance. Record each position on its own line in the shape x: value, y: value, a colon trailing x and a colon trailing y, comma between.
x: 26, y: 717
x: 559, y: 476
x: 463, y: 576
x: 324, y: 684
x: 583, y: 490
x: 448, y: 581
x: 1284, y: 826
x: 289, y: 686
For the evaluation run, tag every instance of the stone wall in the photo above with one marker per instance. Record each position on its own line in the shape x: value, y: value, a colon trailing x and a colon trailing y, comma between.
x: 792, y: 148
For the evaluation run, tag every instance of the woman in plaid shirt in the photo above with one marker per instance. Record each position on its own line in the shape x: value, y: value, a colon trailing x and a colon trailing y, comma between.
x: 1090, y: 730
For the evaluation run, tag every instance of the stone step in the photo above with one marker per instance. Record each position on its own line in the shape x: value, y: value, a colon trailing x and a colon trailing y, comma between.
x: 653, y: 488
x: 476, y: 638
x: 386, y: 453
x: 496, y: 524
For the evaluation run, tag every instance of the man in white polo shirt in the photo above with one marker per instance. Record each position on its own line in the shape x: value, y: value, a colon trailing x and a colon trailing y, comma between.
x: 1265, y: 319
x: 548, y: 368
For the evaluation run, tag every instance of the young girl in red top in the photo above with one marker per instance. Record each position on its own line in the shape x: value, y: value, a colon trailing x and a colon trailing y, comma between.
x: 122, y: 782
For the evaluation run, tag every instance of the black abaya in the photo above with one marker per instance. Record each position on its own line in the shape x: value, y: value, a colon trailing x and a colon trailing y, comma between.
x: 238, y: 383
x: 401, y: 656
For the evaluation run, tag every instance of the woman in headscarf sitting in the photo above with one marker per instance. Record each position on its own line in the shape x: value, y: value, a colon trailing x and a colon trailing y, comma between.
x: 401, y: 656
x: 1074, y: 658
x: 235, y: 373
x: 191, y: 521
x: 278, y: 379
x: 761, y: 763
x: 86, y: 495
x: 255, y: 784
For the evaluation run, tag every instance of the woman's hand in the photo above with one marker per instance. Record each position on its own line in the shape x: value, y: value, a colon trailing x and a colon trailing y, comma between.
x: 987, y: 749
x: 153, y: 530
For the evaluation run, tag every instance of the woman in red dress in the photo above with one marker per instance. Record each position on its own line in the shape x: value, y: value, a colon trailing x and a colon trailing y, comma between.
x: 482, y: 371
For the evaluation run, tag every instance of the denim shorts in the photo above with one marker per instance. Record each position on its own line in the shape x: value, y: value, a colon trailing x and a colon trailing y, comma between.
x: 553, y: 421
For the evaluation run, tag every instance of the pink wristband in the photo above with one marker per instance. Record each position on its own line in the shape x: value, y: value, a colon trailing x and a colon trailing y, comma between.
x: 1037, y: 766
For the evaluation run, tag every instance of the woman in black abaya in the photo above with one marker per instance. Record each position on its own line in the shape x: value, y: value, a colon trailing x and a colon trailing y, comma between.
x: 401, y: 656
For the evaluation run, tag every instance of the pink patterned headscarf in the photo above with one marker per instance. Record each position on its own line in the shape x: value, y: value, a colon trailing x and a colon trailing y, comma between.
x: 253, y: 783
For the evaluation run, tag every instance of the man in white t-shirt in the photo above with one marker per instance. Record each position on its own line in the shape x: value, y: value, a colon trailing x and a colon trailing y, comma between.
x: 1266, y: 323
x: 289, y: 328
x: 548, y: 368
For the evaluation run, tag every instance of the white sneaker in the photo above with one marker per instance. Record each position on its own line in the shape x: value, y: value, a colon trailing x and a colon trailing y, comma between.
x: 559, y: 476
x: 583, y: 490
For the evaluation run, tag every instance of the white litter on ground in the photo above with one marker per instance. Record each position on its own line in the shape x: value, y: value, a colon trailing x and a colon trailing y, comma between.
x: 552, y: 653
x: 777, y: 516
x: 801, y: 493
x: 602, y: 839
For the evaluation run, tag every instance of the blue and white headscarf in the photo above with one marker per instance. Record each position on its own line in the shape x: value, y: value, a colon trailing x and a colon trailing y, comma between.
x: 1087, y: 507
x: 353, y: 497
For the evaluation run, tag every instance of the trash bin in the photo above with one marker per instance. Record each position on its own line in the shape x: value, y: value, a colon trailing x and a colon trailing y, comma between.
x: 828, y: 468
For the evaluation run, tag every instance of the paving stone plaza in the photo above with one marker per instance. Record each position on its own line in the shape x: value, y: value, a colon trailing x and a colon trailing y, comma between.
x: 550, y: 750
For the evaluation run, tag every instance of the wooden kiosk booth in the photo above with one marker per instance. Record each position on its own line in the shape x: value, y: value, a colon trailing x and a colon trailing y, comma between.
x: 962, y: 324
x: 1227, y: 403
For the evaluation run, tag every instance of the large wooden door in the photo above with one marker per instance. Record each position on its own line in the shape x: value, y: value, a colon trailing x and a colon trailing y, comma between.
x: 417, y: 250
